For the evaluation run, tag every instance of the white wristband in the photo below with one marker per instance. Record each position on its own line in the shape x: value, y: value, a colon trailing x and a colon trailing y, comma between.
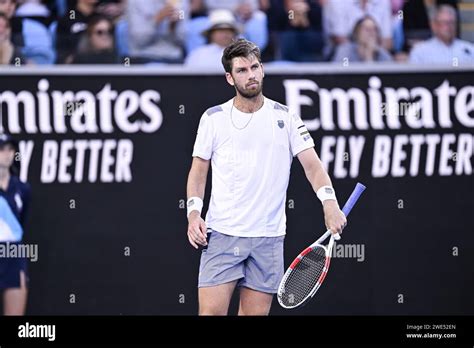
x: 194, y: 203
x: 326, y: 192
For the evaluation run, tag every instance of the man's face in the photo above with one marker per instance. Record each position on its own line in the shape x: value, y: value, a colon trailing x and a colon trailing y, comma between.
x: 444, y: 26
x: 88, y: 2
x: 222, y: 37
x: 7, y: 7
x: 7, y: 154
x: 247, y: 76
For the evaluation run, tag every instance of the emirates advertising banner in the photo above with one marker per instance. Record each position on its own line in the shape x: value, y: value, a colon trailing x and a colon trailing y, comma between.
x: 108, y: 154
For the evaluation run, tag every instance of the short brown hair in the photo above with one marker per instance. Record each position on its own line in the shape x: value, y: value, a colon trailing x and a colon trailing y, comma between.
x: 239, y: 48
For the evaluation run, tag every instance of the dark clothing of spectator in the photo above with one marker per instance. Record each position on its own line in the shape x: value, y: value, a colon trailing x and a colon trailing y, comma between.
x: 69, y: 33
x: 298, y: 44
x: 104, y: 57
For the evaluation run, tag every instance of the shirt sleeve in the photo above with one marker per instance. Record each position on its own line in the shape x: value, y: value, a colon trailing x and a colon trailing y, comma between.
x: 333, y: 19
x: 386, y: 20
x: 300, y: 139
x: 203, y: 146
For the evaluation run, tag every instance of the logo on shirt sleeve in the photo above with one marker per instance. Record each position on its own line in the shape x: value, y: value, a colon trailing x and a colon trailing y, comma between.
x: 304, y: 132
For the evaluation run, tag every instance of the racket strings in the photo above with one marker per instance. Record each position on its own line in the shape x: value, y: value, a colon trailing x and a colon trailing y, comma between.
x: 304, y: 277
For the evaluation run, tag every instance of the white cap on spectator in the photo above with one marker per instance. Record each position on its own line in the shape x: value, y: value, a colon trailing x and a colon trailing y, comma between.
x: 221, y: 19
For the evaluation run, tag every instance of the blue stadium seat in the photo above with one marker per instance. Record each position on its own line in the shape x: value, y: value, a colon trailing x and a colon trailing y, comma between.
x: 121, y: 38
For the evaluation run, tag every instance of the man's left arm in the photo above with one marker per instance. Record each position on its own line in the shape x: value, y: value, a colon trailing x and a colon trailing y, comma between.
x: 334, y: 218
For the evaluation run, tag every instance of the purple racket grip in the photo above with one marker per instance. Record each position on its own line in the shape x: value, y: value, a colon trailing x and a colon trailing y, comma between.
x: 353, y: 198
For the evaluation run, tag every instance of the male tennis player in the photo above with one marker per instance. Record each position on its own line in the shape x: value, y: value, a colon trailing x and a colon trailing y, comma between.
x: 250, y: 141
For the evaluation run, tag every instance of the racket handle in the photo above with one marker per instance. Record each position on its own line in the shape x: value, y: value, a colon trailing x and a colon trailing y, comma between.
x: 353, y: 198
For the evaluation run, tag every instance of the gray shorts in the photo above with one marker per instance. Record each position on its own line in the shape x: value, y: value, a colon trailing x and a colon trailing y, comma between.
x: 257, y: 262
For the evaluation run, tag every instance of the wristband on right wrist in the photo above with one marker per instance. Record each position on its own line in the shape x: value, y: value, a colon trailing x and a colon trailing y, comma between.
x: 194, y: 203
x: 325, y: 193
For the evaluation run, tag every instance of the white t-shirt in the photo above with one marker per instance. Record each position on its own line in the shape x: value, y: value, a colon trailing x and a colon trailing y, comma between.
x: 340, y: 16
x: 250, y: 166
x: 208, y: 56
x: 435, y: 51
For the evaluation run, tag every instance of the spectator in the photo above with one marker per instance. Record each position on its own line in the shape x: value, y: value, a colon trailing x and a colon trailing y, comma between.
x: 416, y: 24
x: 296, y: 27
x: 443, y: 48
x: 70, y: 29
x: 397, y: 25
x: 157, y: 30
x: 29, y: 36
x: 97, y: 46
x: 340, y: 17
x: 9, y: 54
x: 365, y: 45
x: 248, y: 15
x: 113, y: 9
x: 223, y: 29
x: 15, y: 197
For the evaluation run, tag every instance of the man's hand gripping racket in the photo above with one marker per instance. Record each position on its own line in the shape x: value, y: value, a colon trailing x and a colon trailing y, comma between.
x: 308, y: 270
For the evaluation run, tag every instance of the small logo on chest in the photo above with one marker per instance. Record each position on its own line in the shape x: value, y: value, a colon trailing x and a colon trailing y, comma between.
x: 281, y: 124
x: 19, y: 201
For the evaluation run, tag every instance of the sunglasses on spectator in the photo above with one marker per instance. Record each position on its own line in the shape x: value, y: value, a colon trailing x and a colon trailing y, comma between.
x: 101, y: 32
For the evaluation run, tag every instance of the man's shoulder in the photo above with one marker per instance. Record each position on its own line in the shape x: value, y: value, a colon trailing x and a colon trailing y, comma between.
x: 278, y: 106
x: 423, y: 49
x: 464, y: 43
x: 214, y: 110
x: 217, y: 110
x: 426, y: 44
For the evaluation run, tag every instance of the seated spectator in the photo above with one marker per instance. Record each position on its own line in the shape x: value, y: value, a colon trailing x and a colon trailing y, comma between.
x: 296, y: 27
x: 157, y: 30
x: 365, y: 45
x: 29, y: 36
x: 340, y: 17
x: 443, y: 48
x: 70, y: 29
x: 97, y: 47
x: 112, y: 9
x: 219, y: 35
x: 416, y: 24
x: 9, y: 54
x: 248, y: 15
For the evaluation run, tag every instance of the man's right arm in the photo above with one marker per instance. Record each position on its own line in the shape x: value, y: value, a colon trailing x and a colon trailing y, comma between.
x: 197, y: 230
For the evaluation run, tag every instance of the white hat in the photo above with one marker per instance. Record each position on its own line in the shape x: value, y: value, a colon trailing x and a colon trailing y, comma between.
x: 221, y: 19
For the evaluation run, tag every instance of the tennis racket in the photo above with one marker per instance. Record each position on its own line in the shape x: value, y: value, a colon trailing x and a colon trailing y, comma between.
x: 307, y: 272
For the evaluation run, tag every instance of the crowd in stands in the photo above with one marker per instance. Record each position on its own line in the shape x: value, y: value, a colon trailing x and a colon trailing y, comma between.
x: 195, y: 32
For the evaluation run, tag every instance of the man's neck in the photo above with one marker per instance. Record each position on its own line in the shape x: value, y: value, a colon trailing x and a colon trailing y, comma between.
x: 85, y: 8
x: 248, y: 105
x: 447, y: 43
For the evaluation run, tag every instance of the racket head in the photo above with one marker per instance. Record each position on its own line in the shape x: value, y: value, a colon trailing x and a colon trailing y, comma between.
x: 304, y: 276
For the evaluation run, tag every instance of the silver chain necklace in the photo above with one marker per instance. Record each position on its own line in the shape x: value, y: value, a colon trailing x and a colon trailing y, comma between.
x: 231, y: 119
